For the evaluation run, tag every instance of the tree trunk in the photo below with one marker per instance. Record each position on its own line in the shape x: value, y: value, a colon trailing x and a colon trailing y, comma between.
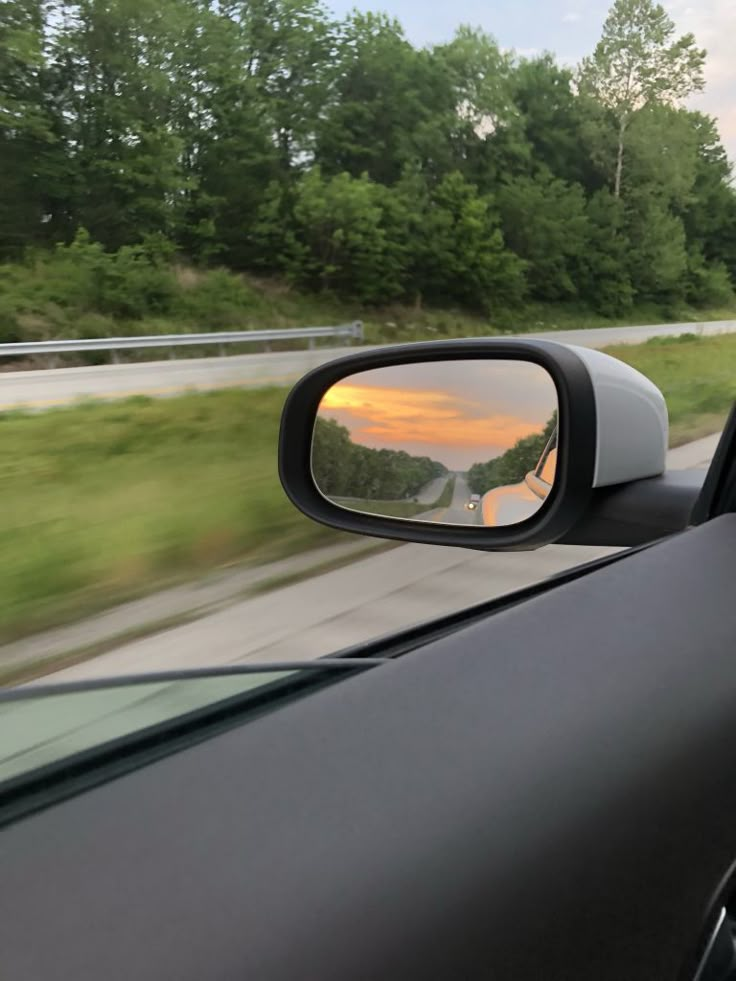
x: 620, y: 158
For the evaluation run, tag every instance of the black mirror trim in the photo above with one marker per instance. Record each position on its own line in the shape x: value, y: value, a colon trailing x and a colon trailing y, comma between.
x: 563, y: 507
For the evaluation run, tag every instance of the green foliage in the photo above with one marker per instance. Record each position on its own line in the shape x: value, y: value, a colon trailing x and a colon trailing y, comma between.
x: 512, y: 466
x: 605, y: 279
x: 273, y: 137
x: 639, y: 65
x: 546, y: 225
x: 103, y: 502
x: 339, y: 237
x: 80, y: 290
x: 345, y: 469
x: 707, y: 284
x: 457, y: 245
x: 657, y: 258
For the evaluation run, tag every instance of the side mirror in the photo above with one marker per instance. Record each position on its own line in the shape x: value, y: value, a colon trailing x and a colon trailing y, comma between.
x: 490, y: 443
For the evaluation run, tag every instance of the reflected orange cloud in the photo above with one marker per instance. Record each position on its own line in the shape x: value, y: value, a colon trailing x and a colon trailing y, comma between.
x: 392, y: 416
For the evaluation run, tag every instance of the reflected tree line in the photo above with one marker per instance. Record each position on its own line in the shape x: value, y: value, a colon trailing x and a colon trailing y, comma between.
x: 512, y: 466
x: 343, y: 468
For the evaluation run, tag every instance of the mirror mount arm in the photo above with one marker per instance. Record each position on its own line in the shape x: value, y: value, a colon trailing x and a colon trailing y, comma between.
x: 638, y: 512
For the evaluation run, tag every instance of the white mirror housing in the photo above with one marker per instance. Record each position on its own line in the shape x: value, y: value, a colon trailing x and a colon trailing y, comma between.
x: 632, y: 425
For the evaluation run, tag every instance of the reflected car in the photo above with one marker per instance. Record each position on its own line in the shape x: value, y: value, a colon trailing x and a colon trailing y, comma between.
x: 474, y: 503
x: 513, y: 503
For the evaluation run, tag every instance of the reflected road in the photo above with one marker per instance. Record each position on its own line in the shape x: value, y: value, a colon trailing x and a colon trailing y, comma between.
x: 456, y: 513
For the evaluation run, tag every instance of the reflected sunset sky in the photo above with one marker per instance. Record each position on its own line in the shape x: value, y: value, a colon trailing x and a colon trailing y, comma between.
x: 457, y: 412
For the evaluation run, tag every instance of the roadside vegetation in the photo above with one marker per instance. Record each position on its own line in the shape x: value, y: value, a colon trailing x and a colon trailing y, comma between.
x: 104, y: 502
x: 270, y: 163
x: 401, y: 509
x: 79, y: 290
x: 343, y: 468
x: 697, y: 375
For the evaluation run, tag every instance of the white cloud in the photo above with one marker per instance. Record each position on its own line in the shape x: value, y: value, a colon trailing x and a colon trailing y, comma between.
x: 714, y: 25
x: 571, y: 17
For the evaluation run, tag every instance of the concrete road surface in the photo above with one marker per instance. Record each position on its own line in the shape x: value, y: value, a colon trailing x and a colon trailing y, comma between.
x: 367, y: 599
x: 47, y: 388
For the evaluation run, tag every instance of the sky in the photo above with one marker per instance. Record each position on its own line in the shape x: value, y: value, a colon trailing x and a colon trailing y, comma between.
x: 570, y: 29
x: 457, y: 413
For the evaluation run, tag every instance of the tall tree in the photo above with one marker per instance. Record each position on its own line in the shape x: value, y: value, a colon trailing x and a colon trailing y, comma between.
x: 289, y: 50
x: 390, y: 105
x: 111, y: 68
x: 544, y: 222
x: 26, y: 133
x: 639, y: 62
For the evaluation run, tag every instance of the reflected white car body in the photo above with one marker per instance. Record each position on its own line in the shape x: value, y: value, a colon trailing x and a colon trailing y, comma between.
x: 513, y: 503
x: 509, y: 505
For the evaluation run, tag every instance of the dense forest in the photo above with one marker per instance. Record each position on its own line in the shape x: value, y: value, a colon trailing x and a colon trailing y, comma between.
x: 271, y: 138
x: 512, y: 466
x: 343, y: 468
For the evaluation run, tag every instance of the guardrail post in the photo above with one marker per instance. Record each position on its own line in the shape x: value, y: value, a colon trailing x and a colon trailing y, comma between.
x: 311, y: 343
x: 114, y: 356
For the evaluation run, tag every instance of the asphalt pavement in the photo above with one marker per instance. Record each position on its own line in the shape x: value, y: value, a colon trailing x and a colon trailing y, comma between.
x: 43, y: 389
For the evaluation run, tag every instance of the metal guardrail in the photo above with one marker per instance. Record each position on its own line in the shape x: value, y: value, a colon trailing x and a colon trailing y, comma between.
x: 221, y: 338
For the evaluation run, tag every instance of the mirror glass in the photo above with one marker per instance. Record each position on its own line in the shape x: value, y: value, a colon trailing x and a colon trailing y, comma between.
x: 452, y: 442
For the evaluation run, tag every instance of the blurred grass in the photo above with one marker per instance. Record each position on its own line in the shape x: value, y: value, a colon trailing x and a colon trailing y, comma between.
x: 101, y: 503
x: 697, y: 376
x: 105, y: 502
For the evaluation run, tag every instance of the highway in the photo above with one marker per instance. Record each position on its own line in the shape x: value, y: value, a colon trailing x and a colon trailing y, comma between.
x: 44, y: 389
x: 456, y: 513
x: 371, y: 597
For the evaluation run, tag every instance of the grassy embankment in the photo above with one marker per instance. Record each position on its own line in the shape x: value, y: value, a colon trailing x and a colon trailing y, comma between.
x: 73, y: 294
x: 399, y: 509
x: 102, y: 502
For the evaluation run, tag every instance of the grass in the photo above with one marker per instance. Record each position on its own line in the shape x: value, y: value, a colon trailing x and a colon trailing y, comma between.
x: 102, y: 503
x: 105, y: 502
x: 697, y: 376
x: 399, y: 509
x: 217, y: 301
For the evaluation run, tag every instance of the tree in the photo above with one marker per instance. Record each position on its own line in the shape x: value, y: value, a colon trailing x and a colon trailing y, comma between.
x: 343, y: 468
x: 456, y: 246
x: 710, y: 212
x: 389, y: 106
x: 639, y: 63
x: 657, y: 256
x: 604, y: 278
x: 551, y: 119
x: 110, y: 73
x: 26, y: 136
x: 512, y: 466
x: 338, y: 234
x: 288, y: 52
x: 544, y: 222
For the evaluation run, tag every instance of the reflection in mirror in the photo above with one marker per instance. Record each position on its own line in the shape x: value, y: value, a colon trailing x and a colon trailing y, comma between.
x: 452, y: 442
